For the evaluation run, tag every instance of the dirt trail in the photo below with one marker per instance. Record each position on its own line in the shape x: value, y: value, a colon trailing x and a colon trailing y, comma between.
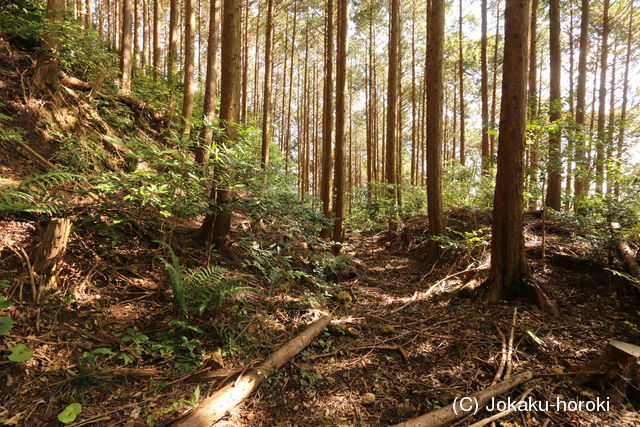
x: 416, y: 353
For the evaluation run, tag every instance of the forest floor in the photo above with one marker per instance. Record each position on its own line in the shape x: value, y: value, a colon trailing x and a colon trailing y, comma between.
x: 413, y: 345
x: 406, y: 337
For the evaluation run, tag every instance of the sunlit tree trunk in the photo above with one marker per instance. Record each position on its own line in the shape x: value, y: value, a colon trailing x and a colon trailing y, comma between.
x: 625, y: 89
x: 435, y: 56
x: 216, y: 225
x: 172, y: 54
x: 508, y: 276
x: 127, y: 46
x: 532, y: 101
x: 580, y: 187
x: 484, y: 92
x: 392, y: 103
x: 266, y: 99
x: 341, y: 79
x: 189, y: 66
x: 461, y: 88
x: 554, y: 184
x: 602, y: 94
x: 46, y: 70
x: 210, y: 86
x: 327, y: 118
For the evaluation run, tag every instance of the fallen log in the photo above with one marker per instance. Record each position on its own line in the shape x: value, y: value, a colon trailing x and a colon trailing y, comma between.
x: 628, y: 258
x: 216, y: 406
x: 448, y: 414
x: 617, y: 372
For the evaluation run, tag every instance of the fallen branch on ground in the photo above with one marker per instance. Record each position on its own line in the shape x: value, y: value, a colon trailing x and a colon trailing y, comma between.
x: 450, y: 413
x: 628, y: 258
x: 216, y: 406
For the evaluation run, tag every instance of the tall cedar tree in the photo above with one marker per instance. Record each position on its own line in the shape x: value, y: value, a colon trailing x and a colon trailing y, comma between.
x: 392, y: 103
x: 580, y: 185
x: 210, y: 86
x: 172, y: 54
x: 127, y: 46
x: 461, y: 87
x: 341, y: 79
x: 434, y: 62
x: 554, y: 164
x: 46, y: 71
x: 327, y: 118
x: 216, y: 225
x: 266, y: 101
x: 156, y: 39
x: 189, y: 65
x: 509, y: 274
x: 484, y: 91
x: 602, y: 98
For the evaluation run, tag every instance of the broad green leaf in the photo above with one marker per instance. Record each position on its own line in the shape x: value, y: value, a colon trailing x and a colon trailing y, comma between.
x: 69, y: 414
x: 5, y: 325
x: 20, y: 353
x: 4, y: 303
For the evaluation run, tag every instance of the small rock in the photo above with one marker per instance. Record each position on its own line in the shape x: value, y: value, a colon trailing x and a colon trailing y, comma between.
x: 368, y: 399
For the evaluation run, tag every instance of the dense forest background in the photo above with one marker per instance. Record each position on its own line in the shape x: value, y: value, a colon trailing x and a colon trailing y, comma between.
x: 434, y: 194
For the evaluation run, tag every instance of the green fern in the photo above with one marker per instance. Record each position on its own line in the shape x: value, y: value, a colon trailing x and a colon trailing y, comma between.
x: 35, y: 194
x: 196, y: 289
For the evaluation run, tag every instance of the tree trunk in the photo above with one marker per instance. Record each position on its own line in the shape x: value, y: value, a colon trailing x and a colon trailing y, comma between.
x: 46, y: 70
x: 554, y: 185
x: 341, y: 79
x: 126, y: 50
x: 47, y: 256
x: 392, y: 106
x: 327, y: 118
x: 461, y: 87
x: 581, y: 92
x: 216, y: 225
x: 172, y: 54
x: 435, y: 56
x: 625, y: 89
x: 189, y: 58
x: 602, y: 95
x: 156, y: 39
x: 484, y: 90
x: 206, y: 134
x: 509, y: 274
x: 532, y: 111
x: 494, y: 85
x: 266, y: 100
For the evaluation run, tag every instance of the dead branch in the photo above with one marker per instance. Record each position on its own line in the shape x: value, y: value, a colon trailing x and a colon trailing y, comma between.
x: 502, y: 414
x: 628, y: 258
x: 216, y: 406
x: 448, y: 414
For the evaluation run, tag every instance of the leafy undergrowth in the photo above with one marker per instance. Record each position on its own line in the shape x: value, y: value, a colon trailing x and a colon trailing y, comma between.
x: 112, y: 340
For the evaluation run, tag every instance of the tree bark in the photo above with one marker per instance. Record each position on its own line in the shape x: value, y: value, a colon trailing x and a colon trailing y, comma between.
x: 341, y: 80
x: 392, y: 106
x: 327, y: 119
x: 532, y: 111
x: 127, y: 46
x: 47, y: 256
x: 189, y: 65
x: 602, y: 95
x: 46, y: 70
x: 461, y: 87
x: 580, y: 187
x: 435, y: 57
x: 509, y: 274
x: 216, y: 225
x: 554, y: 184
x: 625, y: 89
x: 172, y: 54
x: 266, y: 99
x: 484, y: 92
x: 206, y: 135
